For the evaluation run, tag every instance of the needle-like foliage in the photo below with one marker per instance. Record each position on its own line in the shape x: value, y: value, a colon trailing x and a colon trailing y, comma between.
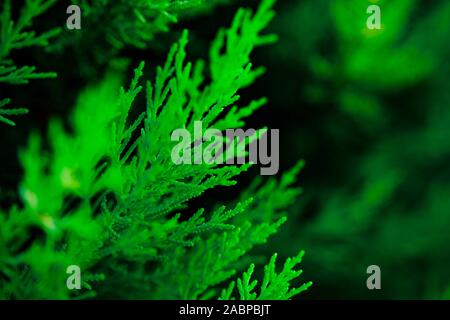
x: 108, y: 198
x: 274, y: 286
x: 136, y: 22
x: 14, y: 35
x: 107, y: 26
x: 118, y: 23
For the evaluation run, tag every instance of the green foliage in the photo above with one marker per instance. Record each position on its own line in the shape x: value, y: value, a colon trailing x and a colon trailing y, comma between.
x: 16, y: 35
x: 274, y: 286
x: 220, y: 255
x: 8, y: 112
x: 108, y: 198
x: 113, y: 25
x: 119, y: 23
x: 136, y: 22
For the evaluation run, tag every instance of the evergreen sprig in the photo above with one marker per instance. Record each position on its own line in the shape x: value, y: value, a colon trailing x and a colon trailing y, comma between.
x: 274, y: 286
x: 135, y: 22
x: 108, y: 198
x: 9, y: 112
x: 16, y: 35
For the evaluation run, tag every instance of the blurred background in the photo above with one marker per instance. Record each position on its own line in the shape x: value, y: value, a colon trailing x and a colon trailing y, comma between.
x: 368, y: 110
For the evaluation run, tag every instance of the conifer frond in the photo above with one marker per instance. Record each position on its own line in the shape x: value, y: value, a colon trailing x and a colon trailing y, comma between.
x: 109, y: 198
x: 18, y: 34
x: 9, y: 112
x: 135, y: 22
x: 274, y: 286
